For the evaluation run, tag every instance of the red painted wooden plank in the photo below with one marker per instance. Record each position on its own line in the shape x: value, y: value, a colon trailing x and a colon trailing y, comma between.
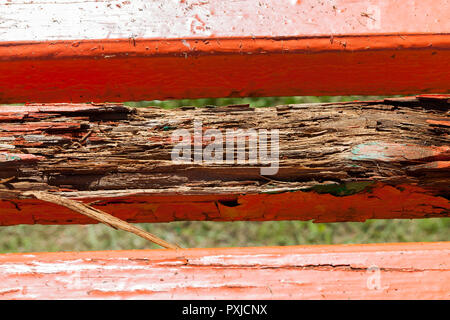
x: 225, y: 67
x: 369, y: 271
x: 216, y: 49
x: 381, y: 202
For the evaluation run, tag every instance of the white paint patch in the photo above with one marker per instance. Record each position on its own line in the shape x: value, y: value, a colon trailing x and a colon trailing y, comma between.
x: 70, y: 20
x: 186, y: 44
x: 7, y: 146
x: 171, y: 263
x: 298, y: 260
x: 112, y: 19
x: 66, y: 266
x: 124, y: 284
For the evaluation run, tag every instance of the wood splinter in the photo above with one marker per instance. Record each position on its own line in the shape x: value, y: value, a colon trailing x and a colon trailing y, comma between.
x: 99, y: 215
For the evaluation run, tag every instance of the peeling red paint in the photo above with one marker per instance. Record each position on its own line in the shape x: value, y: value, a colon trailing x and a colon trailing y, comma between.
x: 445, y: 123
x: 381, y: 202
x: 369, y: 271
x: 442, y: 97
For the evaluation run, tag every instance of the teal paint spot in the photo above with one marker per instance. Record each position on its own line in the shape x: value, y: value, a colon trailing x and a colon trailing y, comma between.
x: 373, y: 154
x: 10, y: 157
x: 372, y: 151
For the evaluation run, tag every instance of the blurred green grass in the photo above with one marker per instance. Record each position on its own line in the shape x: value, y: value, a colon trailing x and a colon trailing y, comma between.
x: 38, y: 238
x: 254, y: 102
x: 199, y: 234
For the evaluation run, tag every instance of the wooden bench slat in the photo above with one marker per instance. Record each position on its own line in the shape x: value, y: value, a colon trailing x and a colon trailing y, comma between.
x: 338, y: 162
x: 54, y: 20
x: 122, y: 51
x: 369, y: 271
x: 380, y: 202
x: 120, y: 70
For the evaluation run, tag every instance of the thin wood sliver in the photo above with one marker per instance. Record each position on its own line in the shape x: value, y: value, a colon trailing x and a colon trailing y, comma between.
x: 100, y: 216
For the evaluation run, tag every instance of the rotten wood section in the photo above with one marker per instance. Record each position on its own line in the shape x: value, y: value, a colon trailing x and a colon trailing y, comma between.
x: 82, y: 51
x: 347, y: 161
x: 369, y: 271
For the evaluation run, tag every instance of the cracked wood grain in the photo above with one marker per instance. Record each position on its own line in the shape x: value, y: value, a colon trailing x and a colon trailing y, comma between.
x: 338, y: 162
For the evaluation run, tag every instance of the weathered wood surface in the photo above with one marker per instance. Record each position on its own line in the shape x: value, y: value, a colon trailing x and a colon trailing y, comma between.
x: 370, y: 271
x: 79, y: 51
x: 337, y: 162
